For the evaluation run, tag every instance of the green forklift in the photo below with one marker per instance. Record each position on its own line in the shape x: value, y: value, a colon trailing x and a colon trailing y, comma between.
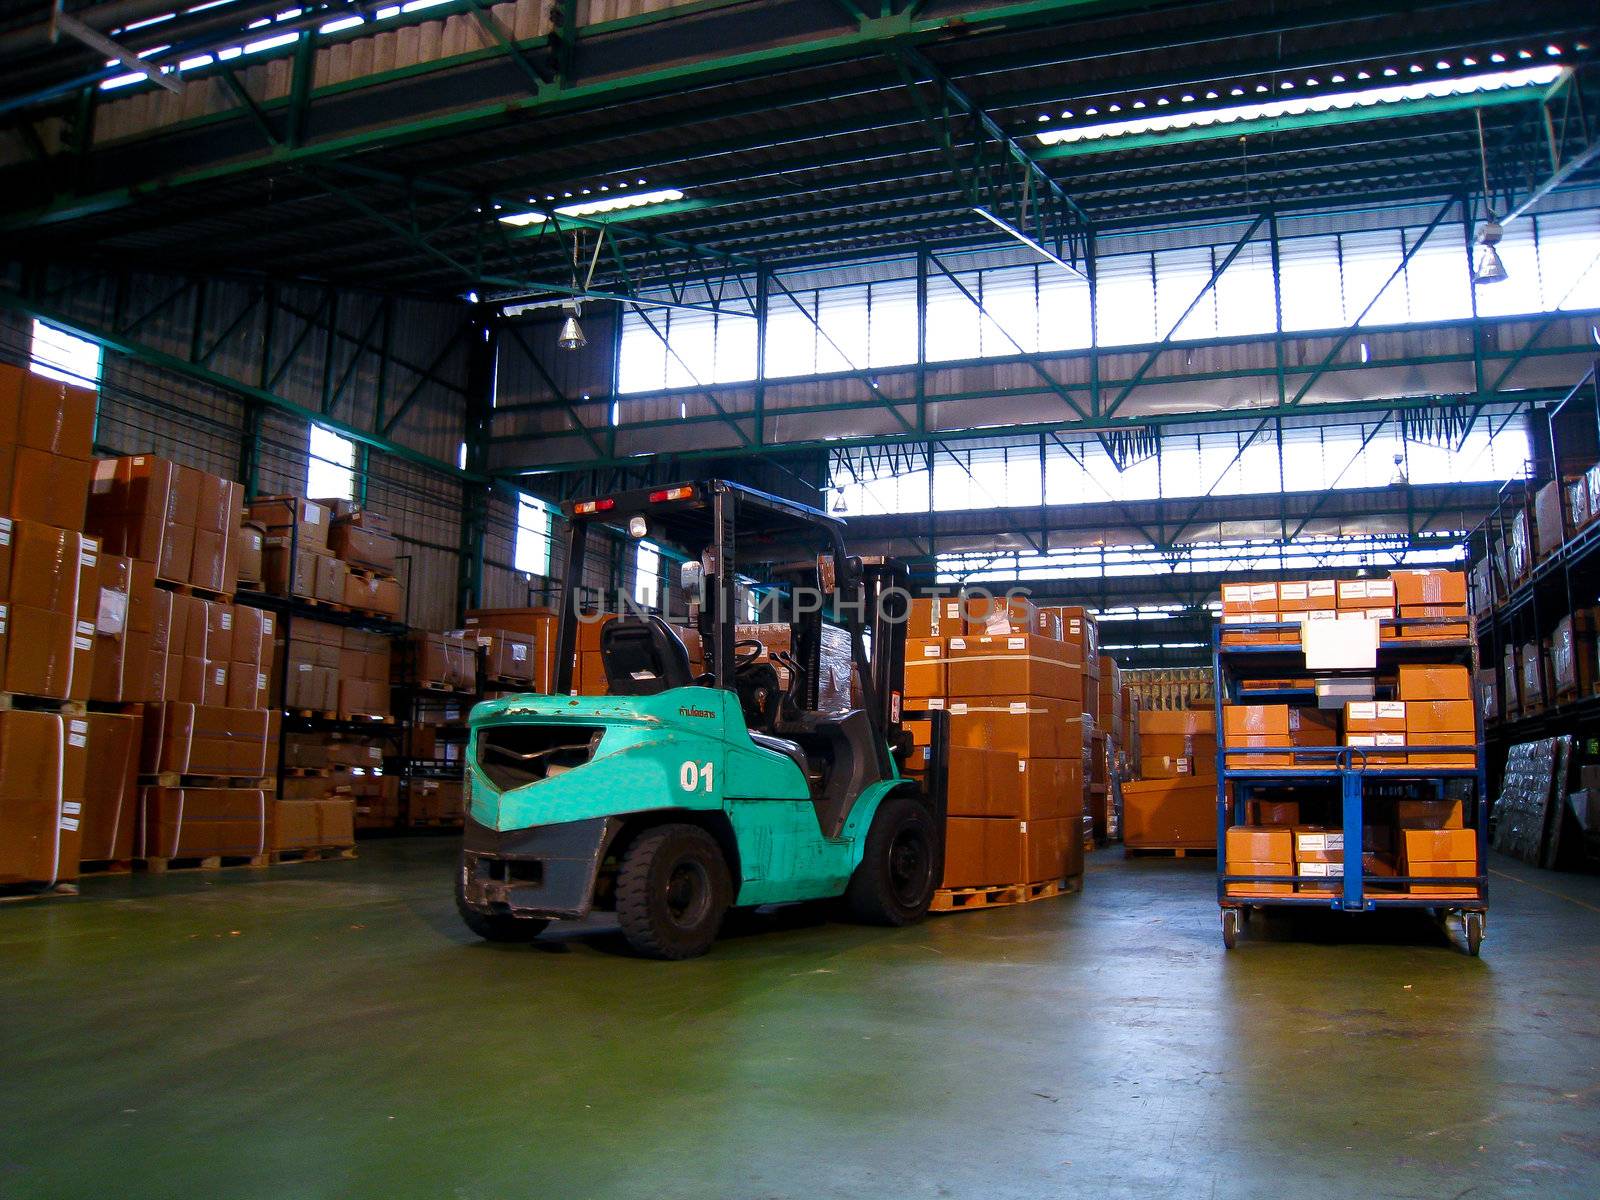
x: 677, y: 795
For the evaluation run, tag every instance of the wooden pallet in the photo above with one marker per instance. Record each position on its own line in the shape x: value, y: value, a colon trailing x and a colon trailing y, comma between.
x: 212, y: 862
x: 324, y: 714
x: 373, y: 718
x: 436, y: 822
x: 510, y: 685
x: 106, y: 866
x: 17, y: 893
x: 307, y: 772
x: 282, y: 858
x: 190, y: 589
x: 959, y: 899
x: 173, y: 779
x: 11, y: 700
x: 1168, y: 851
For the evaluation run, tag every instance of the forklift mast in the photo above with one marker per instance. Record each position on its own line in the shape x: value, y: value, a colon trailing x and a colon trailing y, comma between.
x: 886, y: 588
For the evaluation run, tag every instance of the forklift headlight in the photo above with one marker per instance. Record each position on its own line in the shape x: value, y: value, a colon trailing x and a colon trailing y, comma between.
x: 637, y: 527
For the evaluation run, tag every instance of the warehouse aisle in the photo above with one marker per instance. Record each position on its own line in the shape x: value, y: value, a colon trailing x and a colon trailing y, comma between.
x: 330, y: 1030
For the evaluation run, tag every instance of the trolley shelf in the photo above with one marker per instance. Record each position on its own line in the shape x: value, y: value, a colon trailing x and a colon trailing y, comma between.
x: 1343, y: 772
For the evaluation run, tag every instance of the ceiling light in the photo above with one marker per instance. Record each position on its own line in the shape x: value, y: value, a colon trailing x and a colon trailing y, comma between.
x: 1486, y: 264
x: 1295, y: 106
x: 590, y: 208
x: 571, y: 335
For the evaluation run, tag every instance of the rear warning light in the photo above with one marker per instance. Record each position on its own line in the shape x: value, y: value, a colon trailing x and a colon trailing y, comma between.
x: 677, y: 493
x: 583, y: 508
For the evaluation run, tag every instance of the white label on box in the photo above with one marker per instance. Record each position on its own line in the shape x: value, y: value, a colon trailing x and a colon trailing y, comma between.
x: 1352, y: 589
x: 1363, y: 710
x: 1231, y: 592
x: 302, y: 666
x: 1016, y: 643
x: 86, y: 628
x: 958, y: 709
x: 1263, y: 591
x: 1308, y: 843
x: 1320, y: 614
x: 958, y: 643
x: 77, y: 725
x: 937, y: 703
x: 1380, y: 614
x: 83, y: 643
x: 70, y: 824
x: 375, y: 754
x: 1242, y: 618
x: 5, y: 531
x: 5, y: 611
x: 86, y: 556
x: 313, y: 514
x: 266, y: 625
x: 1319, y: 587
x: 1392, y: 709
x: 1391, y: 739
x: 927, y: 651
x: 1322, y: 870
x: 1378, y: 589
x: 1291, y: 591
x: 227, y: 620
x: 261, y: 681
x: 1361, y: 739
x: 113, y: 616
x: 222, y: 676
x: 1022, y: 764
x: 1018, y: 707
x: 519, y: 653
x: 71, y: 808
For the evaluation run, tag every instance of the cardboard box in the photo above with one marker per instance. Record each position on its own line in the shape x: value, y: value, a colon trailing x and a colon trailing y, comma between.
x: 1429, y: 586
x: 202, y: 822
x: 1052, y: 848
x: 1270, y: 720
x: 1441, y: 716
x: 1572, y: 654
x: 1549, y: 529
x: 933, y: 617
x: 363, y: 546
x: 1170, y: 813
x: 43, y: 777
x: 372, y: 594
x: 987, y: 615
x: 511, y: 657
x: 1575, y: 495
x: 205, y: 740
x: 926, y: 668
x: 1375, y: 716
x: 301, y: 581
x: 1275, y: 812
x: 1027, y: 728
x: 48, y: 488
x: 252, y: 541
x: 1429, y: 814
x: 984, y: 851
x: 1020, y: 665
x: 446, y: 660
x: 331, y: 577
x: 111, y: 792
x: 292, y: 517
x: 55, y: 417
x: 1454, y: 742
x: 1434, y: 683
x: 435, y: 800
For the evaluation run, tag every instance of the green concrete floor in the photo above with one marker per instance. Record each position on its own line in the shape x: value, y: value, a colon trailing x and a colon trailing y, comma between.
x: 330, y: 1030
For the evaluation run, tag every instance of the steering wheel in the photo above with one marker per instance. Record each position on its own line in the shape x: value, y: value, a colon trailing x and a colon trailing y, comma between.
x: 747, y: 653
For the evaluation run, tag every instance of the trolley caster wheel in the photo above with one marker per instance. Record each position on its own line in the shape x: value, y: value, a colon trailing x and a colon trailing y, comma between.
x: 1472, y: 924
x: 1230, y: 927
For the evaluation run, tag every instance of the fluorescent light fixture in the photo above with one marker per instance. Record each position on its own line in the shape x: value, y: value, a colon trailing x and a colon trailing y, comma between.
x: 341, y: 24
x: 271, y: 43
x: 1300, y: 105
x: 598, y: 207
x: 147, y: 22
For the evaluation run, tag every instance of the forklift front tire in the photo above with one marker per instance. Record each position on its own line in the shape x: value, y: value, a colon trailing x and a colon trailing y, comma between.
x: 895, y: 883
x: 673, y: 889
x: 497, y: 927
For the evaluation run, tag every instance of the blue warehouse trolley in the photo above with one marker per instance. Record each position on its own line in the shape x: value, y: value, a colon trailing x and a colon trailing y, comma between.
x: 1344, y: 771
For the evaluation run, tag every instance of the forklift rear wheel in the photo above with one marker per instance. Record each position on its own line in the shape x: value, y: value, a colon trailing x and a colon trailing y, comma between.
x: 1472, y: 925
x: 672, y: 891
x: 894, y: 883
x: 497, y: 927
x: 1230, y: 927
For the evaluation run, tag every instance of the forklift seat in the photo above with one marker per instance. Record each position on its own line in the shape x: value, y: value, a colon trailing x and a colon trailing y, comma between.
x: 642, y: 656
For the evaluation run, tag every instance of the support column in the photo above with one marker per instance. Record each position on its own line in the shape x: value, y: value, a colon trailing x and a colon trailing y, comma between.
x: 481, y: 355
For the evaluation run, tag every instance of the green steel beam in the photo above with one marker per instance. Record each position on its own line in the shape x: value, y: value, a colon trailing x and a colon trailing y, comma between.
x: 249, y: 393
x: 825, y: 46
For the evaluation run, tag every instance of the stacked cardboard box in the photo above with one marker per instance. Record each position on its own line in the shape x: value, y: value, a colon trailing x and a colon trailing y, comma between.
x: 1179, y: 813
x: 1016, y: 771
x: 44, y: 760
x: 1177, y: 744
x: 538, y: 625
x: 1436, y: 594
x: 1572, y: 655
x: 435, y: 801
x: 1261, y: 850
x: 111, y: 796
x: 364, y: 671
x: 438, y: 661
x: 1431, y: 594
x: 304, y: 545
x: 49, y: 603
x: 184, y: 522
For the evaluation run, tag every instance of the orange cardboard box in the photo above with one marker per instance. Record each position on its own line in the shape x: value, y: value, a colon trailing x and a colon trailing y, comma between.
x: 1013, y: 664
x: 1275, y: 812
x: 926, y: 668
x: 983, y: 851
x: 1054, y: 848
x: 1254, y: 742
x: 934, y: 616
x: 1170, y: 813
x: 1439, y: 845
x: 983, y: 783
x: 1027, y: 728
x: 1361, y: 594
x: 1246, y: 867
x: 1270, y: 720
x: 1049, y: 787
x: 1263, y: 844
x: 1423, y: 869
x: 1375, y: 716
x: 1047, y: 623
x: 1429, y: 586
x: 1185, y: 720
x: 49, y: 488
x: 997, y: 616
x: 1429, y: 814
x: 1441, y: 716
x: 1434, y: 683
x: 1251, y: 599
x: 1456, y: 758
x: 1379, y: 749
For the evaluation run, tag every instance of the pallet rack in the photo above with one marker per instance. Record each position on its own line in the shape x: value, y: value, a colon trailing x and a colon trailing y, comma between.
x: 1345, y: 772
x: 1565, y: 441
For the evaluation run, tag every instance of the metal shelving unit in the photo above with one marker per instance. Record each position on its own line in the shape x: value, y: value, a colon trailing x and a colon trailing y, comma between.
x: 1344, y: 777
